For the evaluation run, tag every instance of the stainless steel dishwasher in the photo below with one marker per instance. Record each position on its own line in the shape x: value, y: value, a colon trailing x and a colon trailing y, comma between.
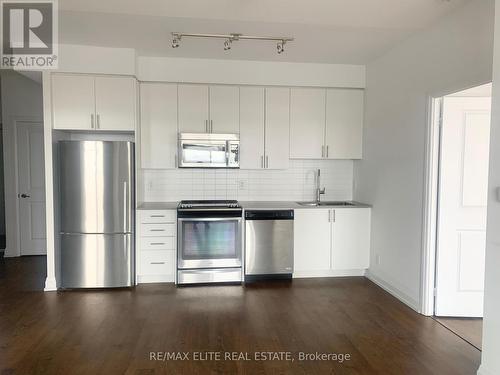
x: 268, y: 244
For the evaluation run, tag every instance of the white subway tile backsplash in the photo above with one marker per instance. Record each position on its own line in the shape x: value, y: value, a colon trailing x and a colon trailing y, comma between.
x: 295, y: 184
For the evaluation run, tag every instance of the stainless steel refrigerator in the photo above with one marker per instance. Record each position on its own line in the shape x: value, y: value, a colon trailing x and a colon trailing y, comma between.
x: 97, y: 193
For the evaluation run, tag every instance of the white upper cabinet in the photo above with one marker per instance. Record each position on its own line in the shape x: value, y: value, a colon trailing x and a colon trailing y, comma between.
x: 277, y: 128
x: 224, y: 109
x: 115, y: 103
x: 344, y: 123
x: 73, y: 101
x: 158, y: 135
x: 312, y: 240
x: 193, y: 109
x: 85, y: 102
x: 251, y: 128
x: 307, y: 123
x: 351, y: 239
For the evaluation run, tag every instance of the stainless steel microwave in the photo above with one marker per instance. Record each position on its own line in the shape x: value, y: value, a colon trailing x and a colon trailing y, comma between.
x: 209, y: 150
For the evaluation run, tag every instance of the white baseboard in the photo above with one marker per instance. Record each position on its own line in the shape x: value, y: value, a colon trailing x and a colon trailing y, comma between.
x: 327, y: 273
x: 403, y: 297
x: 147, y: 279
x: 484, y: 371
x: 50, y: 284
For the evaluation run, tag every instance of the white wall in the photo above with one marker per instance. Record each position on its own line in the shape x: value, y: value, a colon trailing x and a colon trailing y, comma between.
x: 294, y: 184
x: 454, y: 54
x: 490, y: 361
x: 98, y: 60
x: 21, y: 99
x: 249, y: 72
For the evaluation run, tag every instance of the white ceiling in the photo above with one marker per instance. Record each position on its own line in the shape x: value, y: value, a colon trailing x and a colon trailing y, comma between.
x: 325, y: 31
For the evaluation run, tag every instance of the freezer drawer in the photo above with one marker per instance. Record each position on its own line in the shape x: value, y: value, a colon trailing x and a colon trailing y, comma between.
x: 97, y: 260
x: 268, y: 247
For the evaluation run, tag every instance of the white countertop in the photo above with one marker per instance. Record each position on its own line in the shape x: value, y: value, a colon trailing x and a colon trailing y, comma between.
x: 249, y: 205
x: 157, y: 206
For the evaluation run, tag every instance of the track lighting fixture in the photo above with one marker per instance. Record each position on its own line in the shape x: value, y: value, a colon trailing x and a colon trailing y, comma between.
x: 175, y: 41
x: 230, y: 38
x: 281, y: 46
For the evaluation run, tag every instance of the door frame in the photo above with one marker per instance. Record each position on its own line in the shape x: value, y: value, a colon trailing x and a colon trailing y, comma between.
x: 430, y: 205
x: 15, y: 121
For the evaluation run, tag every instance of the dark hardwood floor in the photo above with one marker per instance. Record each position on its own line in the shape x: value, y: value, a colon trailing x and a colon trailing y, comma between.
x: 114, y: 331
x: 470, y: 329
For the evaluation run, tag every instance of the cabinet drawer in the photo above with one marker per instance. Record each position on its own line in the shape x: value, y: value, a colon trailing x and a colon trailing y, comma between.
x: 157, y: 216
x: 157, y: 243
x: 158, y: 230
x: 156, y: 262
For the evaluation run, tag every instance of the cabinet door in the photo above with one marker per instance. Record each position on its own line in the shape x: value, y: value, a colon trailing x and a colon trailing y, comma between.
x: 73, y: 101
x: 158, y: 125
x: 277, y: 129
x: 193, y: 108
x: 312, y: 240
x: 344, y: 123
x: 351, y: 239
x: 225, y: 109
x: 307, y: 123
x: 251, y: 128
x: 115, y: 103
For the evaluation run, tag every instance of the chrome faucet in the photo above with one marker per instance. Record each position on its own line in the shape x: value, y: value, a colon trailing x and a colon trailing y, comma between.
x: 319, y: 191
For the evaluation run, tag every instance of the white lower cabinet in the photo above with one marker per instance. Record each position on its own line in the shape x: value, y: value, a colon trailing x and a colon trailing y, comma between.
x: 156, y: 246
x: 331, y: 242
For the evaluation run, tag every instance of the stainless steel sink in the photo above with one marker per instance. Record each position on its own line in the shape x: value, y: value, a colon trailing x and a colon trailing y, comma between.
x: 327, y: 203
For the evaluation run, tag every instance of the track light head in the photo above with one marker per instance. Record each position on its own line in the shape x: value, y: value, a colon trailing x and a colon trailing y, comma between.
x: 176, y: 41
x: 227, y: 44
x: 280, y: 46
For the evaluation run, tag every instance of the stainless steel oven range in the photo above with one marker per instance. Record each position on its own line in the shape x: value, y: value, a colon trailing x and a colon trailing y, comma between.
x: 209, y: 242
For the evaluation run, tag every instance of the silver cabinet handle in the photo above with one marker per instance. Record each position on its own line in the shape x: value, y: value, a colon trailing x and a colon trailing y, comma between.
x: 92, y: 120
x: 329, y: 216
x: 157, y: 230
x: 156, y: 215
x: 267, y: 161
x: 333, y: 215
x: 157, y: 262
x: 24, y: 195
x: 176, y: 163
x: 157, y: 243
x: 322, y: 151
x: 206, y: 126
x: 327, y: 147
x: 98, y: 118
x: 211, y: 126
x: 262, y: 161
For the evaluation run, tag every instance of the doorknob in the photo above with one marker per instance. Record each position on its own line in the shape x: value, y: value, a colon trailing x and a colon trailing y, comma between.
x: 24, y: 195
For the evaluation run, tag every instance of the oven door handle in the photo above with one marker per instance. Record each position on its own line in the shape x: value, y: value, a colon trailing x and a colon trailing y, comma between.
x: 238, y: 219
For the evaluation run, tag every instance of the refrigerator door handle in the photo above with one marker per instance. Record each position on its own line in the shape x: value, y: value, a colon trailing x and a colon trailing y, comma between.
x: 125, y: 207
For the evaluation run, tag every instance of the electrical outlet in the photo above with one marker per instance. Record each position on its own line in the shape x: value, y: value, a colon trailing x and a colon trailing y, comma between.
x: 377, y: 259
x: 242, y: 185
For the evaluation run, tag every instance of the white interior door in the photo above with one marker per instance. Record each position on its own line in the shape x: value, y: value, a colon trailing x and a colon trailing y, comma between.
x: 31, y: 188
x: 462, y: 206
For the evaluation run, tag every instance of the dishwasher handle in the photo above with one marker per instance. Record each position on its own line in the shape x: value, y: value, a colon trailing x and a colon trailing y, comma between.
x: 269, y: 215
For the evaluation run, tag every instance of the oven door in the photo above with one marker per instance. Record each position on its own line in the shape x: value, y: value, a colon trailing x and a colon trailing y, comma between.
x: 203, y: 153
x: 209, y: 242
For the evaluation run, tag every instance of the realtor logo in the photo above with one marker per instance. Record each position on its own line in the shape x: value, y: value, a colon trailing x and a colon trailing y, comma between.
x: 29, y: 34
